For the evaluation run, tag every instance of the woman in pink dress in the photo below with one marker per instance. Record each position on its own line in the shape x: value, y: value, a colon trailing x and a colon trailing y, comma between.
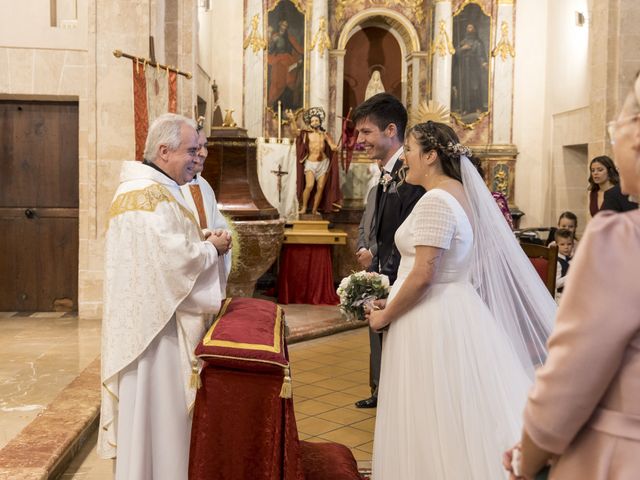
x: 583, y: 413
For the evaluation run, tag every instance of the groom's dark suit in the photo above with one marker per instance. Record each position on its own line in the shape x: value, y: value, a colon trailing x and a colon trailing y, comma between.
x: 393, y: 205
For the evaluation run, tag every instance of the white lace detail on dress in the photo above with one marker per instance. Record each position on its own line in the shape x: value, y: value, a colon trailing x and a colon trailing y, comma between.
x: 434, y: 222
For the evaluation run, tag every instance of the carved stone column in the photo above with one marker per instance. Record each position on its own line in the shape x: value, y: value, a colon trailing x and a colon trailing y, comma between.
x: 503, y: 52
x: 337, y: 61
x: 442, y: 50
x: 319, y: 55
x: 254, y: 50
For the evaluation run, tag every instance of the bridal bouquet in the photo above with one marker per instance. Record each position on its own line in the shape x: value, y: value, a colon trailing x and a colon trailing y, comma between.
x: 360, y: 288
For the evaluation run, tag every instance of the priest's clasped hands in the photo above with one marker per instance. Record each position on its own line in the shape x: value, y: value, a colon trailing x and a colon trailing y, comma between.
x: 219, y: 238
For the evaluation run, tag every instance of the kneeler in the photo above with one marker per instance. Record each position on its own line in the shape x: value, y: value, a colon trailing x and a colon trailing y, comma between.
x: 243, y: 421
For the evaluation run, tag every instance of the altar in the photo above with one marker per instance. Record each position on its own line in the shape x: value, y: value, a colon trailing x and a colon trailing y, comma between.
x: 448, y: 61
x: 306, y: 266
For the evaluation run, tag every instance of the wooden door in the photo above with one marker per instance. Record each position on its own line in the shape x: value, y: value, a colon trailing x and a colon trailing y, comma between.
x: 38, y: 206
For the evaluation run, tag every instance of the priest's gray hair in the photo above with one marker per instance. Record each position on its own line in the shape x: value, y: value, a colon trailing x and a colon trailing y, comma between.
x: 165, y: 130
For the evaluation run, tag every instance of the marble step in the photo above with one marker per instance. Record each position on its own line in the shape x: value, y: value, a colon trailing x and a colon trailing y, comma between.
x: 46, y: 446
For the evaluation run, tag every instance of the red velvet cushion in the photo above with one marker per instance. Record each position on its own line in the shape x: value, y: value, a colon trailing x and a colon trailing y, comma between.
x: 248, y: 334
x: 328, y: 461
x: 541, y: 265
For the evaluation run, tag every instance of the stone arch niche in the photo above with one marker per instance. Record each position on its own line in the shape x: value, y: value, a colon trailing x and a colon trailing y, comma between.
x: 369, y: 49
x: 403, y: 31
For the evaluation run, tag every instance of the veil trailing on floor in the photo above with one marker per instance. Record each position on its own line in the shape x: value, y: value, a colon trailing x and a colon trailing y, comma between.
x: 505, y: 277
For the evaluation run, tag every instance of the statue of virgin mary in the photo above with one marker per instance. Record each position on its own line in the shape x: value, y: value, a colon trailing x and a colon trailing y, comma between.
x: 374, y: 86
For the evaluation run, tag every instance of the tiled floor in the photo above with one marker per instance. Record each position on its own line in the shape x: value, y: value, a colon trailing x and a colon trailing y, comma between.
x: 329, y: 375
x: 40, y: 355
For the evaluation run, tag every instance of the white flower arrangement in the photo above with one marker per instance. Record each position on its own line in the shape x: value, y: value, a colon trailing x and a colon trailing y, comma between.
x: 359, y: 288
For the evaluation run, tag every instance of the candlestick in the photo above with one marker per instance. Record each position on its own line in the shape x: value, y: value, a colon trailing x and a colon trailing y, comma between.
x: 279, y: 121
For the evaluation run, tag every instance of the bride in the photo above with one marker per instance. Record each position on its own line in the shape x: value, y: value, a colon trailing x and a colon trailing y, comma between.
x: 468, y: 318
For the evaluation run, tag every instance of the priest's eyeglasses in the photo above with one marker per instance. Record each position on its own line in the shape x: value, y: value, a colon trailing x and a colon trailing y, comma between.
x: 614, y: 124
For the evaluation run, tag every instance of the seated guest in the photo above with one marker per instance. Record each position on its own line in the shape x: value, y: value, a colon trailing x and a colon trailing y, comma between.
x: 583, y: 410
x: 564, y: 240
x: 567, y: 221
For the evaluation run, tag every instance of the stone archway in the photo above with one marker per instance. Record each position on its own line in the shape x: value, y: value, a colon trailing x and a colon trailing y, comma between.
x: 407, y: 37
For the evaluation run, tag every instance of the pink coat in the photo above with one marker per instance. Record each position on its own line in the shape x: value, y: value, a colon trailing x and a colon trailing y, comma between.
x: 585, y: 404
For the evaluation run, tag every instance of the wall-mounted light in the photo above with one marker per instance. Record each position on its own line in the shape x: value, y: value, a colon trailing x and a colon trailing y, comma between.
x: 580, y: 19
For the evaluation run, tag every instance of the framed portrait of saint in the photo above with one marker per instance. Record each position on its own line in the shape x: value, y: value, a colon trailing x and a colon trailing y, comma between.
x: 285, y: 56
x: 470, y: 67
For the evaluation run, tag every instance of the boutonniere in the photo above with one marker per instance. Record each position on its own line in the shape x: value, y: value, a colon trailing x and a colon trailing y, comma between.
x: 385, y: 181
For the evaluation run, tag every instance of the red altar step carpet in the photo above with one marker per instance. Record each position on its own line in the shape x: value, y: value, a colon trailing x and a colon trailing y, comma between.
x: 244, y: 426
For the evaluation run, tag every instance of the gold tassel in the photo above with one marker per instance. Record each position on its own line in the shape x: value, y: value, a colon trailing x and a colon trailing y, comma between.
x: 285, y: 391
x: 194, y: 381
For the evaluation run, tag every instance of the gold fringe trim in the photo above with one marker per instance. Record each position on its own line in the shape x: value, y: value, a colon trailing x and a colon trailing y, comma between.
x: 285, y: 391
x: 194, y: 380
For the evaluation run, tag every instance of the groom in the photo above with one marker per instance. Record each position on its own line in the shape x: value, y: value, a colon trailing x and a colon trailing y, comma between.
x: 381, y: 122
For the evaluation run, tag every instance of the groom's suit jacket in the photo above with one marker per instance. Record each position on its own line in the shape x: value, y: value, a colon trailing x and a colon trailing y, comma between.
x: 393, y: 206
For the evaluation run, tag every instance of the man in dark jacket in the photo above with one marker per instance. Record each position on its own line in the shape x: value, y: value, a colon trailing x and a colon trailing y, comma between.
x: 381, y: 122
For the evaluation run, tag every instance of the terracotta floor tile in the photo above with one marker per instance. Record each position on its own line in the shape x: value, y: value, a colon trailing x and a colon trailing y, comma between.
x: 299, y: 366
x: 338, y: 399
x: 354, y: 364
x: 312, y: 407
x: 332, y: 371
x: 344, y: 416
x: 368, y: 425
x: 366, y: 447
x: 338, y: 385
x: 351, y: 437
x: 361, y: 456
x: 357, y: 389
x: 361, y: 377
x: 312, y: 391
x: 326, y: 359
x: 312, y: 376
x: 316, y: 426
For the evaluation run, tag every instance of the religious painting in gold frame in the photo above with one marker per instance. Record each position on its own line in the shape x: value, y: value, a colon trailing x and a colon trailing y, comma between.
x: 285, y: 58
x: 470, y: 75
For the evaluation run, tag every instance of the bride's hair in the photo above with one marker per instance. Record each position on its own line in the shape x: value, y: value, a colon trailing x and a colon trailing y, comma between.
x: 444, y: 140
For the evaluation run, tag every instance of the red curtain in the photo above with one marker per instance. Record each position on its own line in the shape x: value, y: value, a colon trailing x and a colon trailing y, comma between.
x: 141, y: 103
x: 140, y: 110
x: 306, y: 275
x: 173, y: 92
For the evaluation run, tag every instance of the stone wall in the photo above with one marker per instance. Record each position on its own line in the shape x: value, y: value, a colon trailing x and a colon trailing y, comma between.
x: 78, y: 64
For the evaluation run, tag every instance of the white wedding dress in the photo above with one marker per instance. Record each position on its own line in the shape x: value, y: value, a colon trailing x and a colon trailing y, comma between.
x: 452, y: 389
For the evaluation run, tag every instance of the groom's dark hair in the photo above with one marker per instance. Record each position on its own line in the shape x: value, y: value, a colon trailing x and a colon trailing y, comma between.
x: 382, y: 109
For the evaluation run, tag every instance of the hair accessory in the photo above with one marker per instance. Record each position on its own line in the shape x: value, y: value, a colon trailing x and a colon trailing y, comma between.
x: 458, y: 149
x: 313, y: 112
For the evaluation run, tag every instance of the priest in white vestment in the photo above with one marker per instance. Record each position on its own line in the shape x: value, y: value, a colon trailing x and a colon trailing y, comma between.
x: 202, y: 200
x: 162, y: 285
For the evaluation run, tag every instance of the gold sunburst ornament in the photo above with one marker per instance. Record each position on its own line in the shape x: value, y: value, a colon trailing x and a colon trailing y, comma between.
x: 430, y: 110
